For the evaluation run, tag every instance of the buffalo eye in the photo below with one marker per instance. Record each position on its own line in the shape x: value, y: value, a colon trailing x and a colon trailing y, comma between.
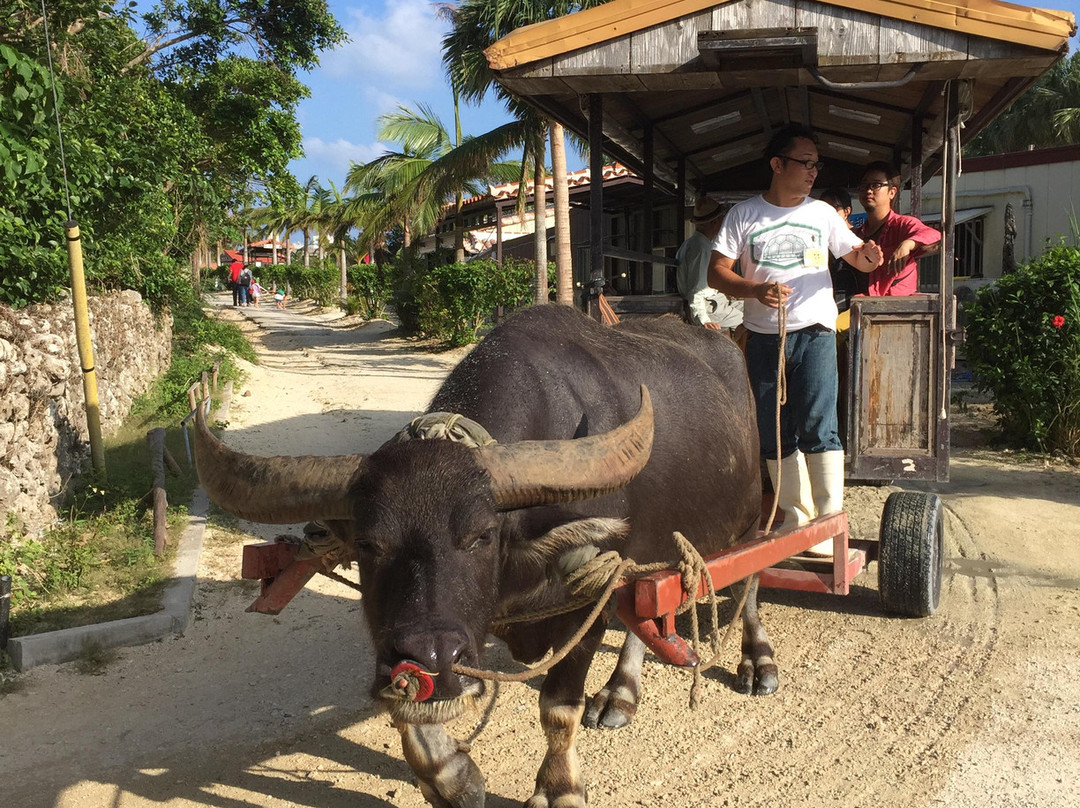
x: 481, y: 539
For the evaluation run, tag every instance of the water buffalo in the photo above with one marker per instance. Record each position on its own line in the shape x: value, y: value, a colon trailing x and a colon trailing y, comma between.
x: 449, y: 536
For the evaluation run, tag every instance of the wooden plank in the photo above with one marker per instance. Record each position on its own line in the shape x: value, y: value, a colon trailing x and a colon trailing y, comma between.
x: 609, y: 58
x: 668, y: 46
x: 845, y: 36
x: 754, y: 14
x: 906, y: 42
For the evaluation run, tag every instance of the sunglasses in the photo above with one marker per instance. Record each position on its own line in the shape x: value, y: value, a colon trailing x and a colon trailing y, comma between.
x: 809, y: 165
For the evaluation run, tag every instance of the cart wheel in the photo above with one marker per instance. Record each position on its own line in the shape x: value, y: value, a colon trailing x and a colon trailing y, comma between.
x: 912, y: 544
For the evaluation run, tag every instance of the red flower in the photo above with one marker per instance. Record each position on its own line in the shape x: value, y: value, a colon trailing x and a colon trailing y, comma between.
x: 1058, y: 321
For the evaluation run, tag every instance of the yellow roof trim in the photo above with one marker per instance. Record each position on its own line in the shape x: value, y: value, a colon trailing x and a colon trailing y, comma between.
x: 993, y: 19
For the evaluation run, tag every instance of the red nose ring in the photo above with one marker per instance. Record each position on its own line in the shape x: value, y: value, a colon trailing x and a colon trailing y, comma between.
x: 412, y: 682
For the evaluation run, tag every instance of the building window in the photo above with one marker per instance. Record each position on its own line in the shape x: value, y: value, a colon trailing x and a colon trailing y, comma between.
x: 968, y: 261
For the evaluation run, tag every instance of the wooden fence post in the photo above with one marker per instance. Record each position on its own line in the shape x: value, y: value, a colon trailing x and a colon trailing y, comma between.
x: 155, y: 441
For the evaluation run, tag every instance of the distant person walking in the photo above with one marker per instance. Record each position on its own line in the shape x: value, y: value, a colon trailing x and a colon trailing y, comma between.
x: 244, y: 283
x: 235, y: 268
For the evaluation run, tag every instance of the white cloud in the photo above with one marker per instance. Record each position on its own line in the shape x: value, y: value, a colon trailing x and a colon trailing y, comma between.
x: 336, y: 155
x: 401, y: 44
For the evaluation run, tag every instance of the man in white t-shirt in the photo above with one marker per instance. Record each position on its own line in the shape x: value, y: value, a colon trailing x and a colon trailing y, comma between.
x: 782, y: 239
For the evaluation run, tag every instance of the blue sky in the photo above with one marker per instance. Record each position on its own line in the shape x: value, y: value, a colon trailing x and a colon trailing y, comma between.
x: 393, y: 58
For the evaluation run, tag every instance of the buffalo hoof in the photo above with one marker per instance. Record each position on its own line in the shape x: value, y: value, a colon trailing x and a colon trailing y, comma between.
x: 759, y: 680
x: 608, y: 711
x: 563, y: 800
x: 470, y: 794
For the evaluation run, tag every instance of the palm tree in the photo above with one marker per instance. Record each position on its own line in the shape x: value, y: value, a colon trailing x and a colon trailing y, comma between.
x: 416, y: 181
x: 477, y: 25
x: 1046, y: 115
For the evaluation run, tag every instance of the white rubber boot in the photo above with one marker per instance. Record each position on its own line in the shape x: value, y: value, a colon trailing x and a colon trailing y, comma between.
x: 795, y: 494
x: 826, y: 471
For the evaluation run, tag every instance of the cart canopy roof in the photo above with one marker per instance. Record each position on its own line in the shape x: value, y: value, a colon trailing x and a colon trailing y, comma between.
x: 707, y: 83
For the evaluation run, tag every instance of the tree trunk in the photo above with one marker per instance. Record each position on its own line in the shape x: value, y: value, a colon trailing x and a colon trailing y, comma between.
x: 459, y: 232
x: 406, y: 234
x: 342, y: 262
x: 540, y: 281
x: 307, y: 248
x: 564, y: 260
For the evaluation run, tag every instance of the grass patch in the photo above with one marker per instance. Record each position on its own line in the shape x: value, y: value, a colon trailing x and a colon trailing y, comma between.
x: 98, y: 564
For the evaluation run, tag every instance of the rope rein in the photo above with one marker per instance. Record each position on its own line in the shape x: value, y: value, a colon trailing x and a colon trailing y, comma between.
x: 781, y: 398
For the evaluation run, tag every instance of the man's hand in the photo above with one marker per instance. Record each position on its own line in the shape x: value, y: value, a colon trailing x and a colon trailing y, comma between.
x: 714, y: 326
x: 899, y: 259
x: 870, y: 252
x: 772, y: 294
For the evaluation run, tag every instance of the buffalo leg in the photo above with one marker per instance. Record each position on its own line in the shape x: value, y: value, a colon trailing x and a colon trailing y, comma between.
x: 448, y: 777
x: 757, y: 672
x: 616, y: 703
x: 559, y: 783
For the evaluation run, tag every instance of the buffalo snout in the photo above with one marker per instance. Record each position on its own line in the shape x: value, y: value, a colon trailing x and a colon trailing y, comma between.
x: 435, y: 650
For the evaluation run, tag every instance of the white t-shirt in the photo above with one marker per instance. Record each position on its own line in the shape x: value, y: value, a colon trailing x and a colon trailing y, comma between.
x: 787, y: 245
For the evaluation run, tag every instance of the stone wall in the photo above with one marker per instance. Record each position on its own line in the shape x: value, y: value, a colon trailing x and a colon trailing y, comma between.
x: 43, y: 436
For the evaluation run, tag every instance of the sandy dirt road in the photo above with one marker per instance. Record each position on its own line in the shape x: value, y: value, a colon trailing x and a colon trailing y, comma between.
x: 977, y: 706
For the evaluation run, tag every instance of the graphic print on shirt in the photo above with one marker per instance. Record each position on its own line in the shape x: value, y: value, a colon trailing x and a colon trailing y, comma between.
x: 787, y: 245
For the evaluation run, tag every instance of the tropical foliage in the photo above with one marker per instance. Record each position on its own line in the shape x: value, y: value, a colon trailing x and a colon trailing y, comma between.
x: 1046, y: 115
x: 456, y: 301
x: 162, y: 137
x: 1023, y: 341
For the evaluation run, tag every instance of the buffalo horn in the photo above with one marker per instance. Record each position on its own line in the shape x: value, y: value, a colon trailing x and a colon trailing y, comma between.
x: 274, y: 490
x: 544, y: 472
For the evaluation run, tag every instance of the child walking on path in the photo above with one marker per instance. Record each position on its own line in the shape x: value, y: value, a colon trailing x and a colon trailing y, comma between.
x: 255, y: 291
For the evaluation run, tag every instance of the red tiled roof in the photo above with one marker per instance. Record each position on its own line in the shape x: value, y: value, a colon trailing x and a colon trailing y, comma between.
x: 574, y: 179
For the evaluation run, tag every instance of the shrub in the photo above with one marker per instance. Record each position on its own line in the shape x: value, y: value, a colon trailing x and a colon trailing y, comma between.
x: 1023, y: 341
x: 456, y: 300
x: 371, y: 288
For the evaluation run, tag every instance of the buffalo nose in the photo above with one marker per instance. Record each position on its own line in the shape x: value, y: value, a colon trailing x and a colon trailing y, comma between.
x: 436, y: 652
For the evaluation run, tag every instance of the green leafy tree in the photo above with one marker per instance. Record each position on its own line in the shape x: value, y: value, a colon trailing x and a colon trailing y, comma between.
x: 164, y: 137
x: 1046, y: 115
x: 1023, y: 341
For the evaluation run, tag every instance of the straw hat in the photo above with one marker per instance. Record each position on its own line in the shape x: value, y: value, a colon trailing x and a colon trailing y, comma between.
x: 706, y: 210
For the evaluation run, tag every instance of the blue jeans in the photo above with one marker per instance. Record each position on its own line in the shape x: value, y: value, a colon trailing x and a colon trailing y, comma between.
x: 808, y: 421
x: 244, y: 299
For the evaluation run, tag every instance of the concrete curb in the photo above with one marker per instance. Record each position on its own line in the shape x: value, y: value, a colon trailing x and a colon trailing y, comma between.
x: 67, y: 644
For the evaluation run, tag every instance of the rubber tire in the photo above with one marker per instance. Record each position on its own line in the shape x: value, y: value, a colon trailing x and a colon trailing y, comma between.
x: 911, y: 553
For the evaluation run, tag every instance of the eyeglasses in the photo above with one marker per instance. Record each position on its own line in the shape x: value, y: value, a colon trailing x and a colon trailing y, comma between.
x: 809, y: 165
x: 873, y: 186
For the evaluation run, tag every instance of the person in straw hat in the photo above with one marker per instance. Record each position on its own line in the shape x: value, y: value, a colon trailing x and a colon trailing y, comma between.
x: 704, y: 305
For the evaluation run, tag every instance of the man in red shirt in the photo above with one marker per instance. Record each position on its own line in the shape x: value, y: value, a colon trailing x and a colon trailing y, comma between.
x: 902, y: 238
x: 234, y: 277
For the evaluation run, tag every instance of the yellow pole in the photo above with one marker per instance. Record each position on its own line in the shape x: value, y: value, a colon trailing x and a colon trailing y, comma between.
x: 86, y: 349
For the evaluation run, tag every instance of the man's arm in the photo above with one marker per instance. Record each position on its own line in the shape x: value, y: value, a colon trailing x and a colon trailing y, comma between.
x: 866, y: 257
x: 723, y: 278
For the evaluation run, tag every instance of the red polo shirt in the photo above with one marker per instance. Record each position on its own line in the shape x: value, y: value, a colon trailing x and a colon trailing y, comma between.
x: 896, y: 229
x: 234, y: 270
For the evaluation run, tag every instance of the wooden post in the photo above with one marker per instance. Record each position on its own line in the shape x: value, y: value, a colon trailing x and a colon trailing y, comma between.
x: 916, y: 166
x: 596, y: 200
x: 205, y: 384
x: 217, y: 367
x: 155, y: 442
x: 192, y: 397
x: 5, y: 610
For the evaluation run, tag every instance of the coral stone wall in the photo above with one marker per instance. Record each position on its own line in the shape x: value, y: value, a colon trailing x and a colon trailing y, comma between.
x: 43, y: 436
